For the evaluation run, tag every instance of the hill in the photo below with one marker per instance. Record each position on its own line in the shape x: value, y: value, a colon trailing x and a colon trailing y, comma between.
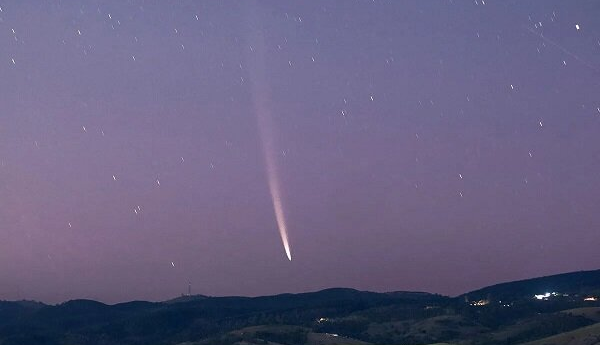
x: 589, y: 335
x: 506, y: 313
x: 581, y: 283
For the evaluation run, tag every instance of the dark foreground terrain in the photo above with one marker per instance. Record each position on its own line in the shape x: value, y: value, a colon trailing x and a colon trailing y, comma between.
x: 563, y: 312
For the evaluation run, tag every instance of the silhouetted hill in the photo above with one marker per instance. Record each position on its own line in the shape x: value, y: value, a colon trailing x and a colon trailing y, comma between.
x: 186, y: 298
x: 501, y: 314
x: 574, y: 283
x: 11, y: 311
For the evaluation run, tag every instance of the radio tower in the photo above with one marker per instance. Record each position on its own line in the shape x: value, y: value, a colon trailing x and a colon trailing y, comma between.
x: 189, y: 288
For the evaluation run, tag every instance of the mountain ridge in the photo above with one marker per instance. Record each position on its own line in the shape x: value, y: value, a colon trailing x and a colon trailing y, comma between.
x: 500, y: 314
x: 590, y: 275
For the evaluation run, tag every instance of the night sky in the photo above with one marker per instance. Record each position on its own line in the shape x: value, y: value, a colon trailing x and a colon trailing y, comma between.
x: 436, y: 146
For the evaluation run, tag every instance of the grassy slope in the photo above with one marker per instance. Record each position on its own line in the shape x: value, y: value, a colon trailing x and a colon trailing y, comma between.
x: 442, y: 327
x: 592, y: 313
x: 312, y: 337
x: 326, y: 339
x: 589, y: 335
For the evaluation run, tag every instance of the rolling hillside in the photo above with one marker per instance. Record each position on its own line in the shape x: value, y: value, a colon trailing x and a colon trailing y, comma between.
x: 501, y: 314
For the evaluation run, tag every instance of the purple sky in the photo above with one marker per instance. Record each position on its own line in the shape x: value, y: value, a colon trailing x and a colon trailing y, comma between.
x: 418, y: 145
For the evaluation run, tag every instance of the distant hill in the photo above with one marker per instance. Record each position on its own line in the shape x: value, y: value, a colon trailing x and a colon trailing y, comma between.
x: 503, y: 314
x: 186, y: 298
x: 574, y: 283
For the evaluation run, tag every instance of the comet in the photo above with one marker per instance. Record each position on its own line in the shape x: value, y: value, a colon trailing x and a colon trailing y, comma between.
x: 274, y: 188
x: 261, y: 101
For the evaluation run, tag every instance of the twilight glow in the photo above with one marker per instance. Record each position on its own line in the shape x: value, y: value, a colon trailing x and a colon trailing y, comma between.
x: 138, y: 140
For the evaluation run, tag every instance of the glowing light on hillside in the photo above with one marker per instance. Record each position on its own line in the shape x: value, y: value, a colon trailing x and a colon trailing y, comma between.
x: 542, y: 296
x: 480, y: 303
x: 547, y: 295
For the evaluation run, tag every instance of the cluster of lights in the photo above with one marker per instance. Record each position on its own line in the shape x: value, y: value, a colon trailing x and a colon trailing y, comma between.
x: 543, y: 296
x: 547, y: 295
x: 484, y: 302
x: 480, y: 302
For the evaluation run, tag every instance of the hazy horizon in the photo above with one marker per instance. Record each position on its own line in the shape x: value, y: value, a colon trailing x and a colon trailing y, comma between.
x: 194, y: 294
